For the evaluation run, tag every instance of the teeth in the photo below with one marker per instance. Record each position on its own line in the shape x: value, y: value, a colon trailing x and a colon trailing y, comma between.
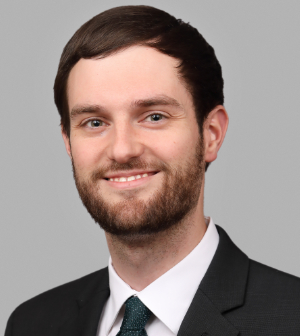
x: 128, y: 179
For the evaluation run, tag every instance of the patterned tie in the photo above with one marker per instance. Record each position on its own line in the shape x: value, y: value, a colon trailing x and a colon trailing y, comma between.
x: 135, y: 318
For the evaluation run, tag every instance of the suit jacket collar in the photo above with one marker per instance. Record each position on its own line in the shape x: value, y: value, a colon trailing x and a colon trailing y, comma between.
x: 222, y: 288
x: 90, y: 304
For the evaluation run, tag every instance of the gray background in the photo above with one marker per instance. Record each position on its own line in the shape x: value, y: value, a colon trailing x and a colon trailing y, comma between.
x: 47, y: 237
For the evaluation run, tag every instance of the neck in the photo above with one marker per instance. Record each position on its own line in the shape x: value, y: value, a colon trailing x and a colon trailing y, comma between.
x: 140, y: 261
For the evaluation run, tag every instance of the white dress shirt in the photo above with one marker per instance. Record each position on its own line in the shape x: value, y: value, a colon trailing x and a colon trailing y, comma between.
x: 168, y: 297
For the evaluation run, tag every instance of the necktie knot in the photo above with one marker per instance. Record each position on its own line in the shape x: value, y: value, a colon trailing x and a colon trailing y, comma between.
x: 135, y: 317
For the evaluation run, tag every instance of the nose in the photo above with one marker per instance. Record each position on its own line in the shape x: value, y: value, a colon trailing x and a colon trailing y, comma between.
x: 124, y: 144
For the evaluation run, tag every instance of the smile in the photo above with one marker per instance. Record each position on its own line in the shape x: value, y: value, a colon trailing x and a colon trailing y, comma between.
x: 129, y: 180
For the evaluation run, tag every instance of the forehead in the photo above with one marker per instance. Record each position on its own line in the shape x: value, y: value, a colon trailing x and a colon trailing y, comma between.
x: 134, y: 73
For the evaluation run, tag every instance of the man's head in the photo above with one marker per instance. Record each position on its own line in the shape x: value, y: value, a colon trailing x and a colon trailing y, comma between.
x: 125, y: 26
x: 134, y: 88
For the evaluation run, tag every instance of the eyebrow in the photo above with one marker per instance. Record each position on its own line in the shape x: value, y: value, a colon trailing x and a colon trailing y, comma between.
x: 82, y: 109
x: 147, y: 102
x: 157, y: 100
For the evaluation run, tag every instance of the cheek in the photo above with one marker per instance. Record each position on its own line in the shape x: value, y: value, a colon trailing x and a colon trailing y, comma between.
x: 176, y: 147
x: 85, y: 154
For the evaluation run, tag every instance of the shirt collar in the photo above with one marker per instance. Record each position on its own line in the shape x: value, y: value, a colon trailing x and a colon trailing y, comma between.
x: 169, y: 296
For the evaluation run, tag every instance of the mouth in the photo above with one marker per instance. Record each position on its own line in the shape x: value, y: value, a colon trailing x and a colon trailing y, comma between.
x: 129, y: 179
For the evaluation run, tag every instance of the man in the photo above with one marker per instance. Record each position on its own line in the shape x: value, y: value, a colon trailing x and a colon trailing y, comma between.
x: 140, y: 95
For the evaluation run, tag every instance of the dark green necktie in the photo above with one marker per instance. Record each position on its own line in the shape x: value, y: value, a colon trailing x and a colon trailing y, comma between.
x: 135, y: 318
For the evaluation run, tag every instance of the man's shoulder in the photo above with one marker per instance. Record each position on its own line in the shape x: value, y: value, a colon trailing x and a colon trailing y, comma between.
x: 256, y: 277
x: 264, y: 280
x: 271, y: 303
x: 69, y: 290
x: 255, y: 298
x: 59, y: 303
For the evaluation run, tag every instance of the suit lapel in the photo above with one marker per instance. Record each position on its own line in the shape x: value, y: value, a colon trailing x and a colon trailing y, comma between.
x: 222, y: 289
x: 203, y: 318
x: 90, y: 304
x: 90, y: 313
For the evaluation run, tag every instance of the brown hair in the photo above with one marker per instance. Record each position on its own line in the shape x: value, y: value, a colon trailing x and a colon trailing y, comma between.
x: 125, y: 26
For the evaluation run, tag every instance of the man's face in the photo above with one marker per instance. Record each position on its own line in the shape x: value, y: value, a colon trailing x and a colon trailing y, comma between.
x: 135, y: 146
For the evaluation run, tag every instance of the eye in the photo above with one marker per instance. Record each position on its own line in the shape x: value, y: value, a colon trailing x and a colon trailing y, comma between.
x: 155, y: 117
x: 94, y: 123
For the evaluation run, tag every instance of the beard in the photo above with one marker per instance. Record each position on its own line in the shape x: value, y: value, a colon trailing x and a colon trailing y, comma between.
x: 167, y: 206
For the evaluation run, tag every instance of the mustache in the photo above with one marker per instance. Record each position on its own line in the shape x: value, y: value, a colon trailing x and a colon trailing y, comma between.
x: 134, y: 163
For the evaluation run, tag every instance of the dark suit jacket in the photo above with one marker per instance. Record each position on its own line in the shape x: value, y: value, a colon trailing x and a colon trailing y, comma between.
x: 237, y: 296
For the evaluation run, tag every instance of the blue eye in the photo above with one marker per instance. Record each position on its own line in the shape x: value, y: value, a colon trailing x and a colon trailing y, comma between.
x: 155, y: 117
x: 95, y: 123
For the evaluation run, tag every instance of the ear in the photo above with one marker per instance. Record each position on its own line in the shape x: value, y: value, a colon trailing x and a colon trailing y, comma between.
x: 66, y: 141
x: 214, y: 130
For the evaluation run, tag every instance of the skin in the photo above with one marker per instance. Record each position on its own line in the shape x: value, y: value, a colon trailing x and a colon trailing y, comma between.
x: 128, y: 131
